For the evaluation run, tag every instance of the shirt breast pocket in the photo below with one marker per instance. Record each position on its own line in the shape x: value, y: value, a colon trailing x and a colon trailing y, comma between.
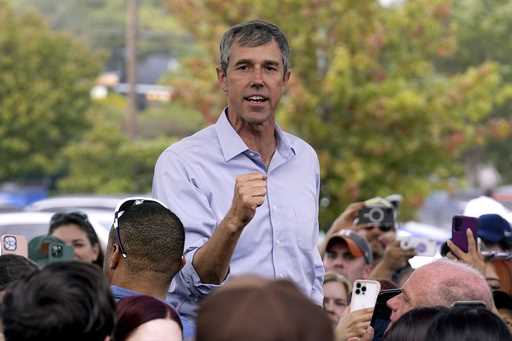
x: 303, y: 218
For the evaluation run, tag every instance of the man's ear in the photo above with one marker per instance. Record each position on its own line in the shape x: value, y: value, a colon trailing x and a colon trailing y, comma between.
x: 286, y: 76
x: 183, y: 261
x: 221, y: 78
x: 367, y: 270
x: 115, y: 257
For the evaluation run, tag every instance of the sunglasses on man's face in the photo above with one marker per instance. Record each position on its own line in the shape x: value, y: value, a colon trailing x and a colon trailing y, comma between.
x: 123, y: 207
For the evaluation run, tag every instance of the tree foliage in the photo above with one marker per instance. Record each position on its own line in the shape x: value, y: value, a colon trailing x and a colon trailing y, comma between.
x: 102, y: 24
x: 45, y: 81
x: 106, y: 160
x: 365, y: 91
x: 483, y: 35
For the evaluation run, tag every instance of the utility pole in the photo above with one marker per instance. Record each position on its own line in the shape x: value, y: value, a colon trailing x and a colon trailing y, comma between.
x: 131, y: 51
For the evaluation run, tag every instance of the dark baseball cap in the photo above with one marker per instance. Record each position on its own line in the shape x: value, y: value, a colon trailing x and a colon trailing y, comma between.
x: 357, y: 245
x: 46, y: 249
x: 494, y: 228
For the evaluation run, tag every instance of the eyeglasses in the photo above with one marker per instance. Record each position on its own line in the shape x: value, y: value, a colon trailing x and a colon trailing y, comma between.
x: 123, y: 207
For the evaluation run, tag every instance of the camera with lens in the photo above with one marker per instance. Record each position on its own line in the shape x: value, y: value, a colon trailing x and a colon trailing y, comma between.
x: 383, y: 217
x: 56, y: 250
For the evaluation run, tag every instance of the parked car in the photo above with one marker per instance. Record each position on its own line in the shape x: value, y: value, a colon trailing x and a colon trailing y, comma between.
x: 32, y: 224
x: 70, y: 202
x: 98, y: 207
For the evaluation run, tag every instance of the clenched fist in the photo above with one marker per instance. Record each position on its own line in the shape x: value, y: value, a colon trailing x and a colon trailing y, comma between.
x: 250, y: 192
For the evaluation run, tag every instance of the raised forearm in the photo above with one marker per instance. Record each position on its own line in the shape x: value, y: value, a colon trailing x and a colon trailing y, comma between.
x: 382, y: 271
x: 211, y: 261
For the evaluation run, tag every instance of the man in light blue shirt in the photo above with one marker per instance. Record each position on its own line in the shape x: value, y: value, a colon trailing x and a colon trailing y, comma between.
x: 246, y: 191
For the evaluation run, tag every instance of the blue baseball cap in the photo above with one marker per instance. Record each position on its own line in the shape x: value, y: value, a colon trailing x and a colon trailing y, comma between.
x: 494, y: 228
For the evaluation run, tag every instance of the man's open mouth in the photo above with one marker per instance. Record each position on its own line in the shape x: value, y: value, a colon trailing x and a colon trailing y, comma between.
x: 256, y: 99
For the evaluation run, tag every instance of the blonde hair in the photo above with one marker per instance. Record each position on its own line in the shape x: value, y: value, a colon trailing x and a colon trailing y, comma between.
x: 334, y: 277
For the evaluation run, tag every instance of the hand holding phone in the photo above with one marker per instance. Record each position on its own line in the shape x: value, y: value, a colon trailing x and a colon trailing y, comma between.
x: 364, y: 294
x: 464, y: 244
x: 459, y: 226
x: 354, y: 324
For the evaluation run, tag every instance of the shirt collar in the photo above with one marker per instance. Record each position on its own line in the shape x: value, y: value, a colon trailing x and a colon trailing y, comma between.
x: 232, y: 144
x: 121, y: 292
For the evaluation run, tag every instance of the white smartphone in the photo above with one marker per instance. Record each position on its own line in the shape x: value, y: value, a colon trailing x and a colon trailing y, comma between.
x: 13, y: 244
x: 364, y: 294
x: 423, y: 246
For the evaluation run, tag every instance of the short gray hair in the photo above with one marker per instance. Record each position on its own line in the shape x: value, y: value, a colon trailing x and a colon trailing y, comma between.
x: 251, y: 34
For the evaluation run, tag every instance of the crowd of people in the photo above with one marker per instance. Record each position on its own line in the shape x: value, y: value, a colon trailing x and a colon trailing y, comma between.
x: 228, y: 247
x: 45, y: 297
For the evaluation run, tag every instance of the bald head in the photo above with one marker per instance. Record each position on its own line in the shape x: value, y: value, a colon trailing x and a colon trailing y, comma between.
x: 441, y: 283
x: 451, y: 281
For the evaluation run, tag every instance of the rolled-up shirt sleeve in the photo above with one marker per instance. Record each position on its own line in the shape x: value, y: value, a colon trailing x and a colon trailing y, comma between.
x: 188, y: 281
x: 177, y: 187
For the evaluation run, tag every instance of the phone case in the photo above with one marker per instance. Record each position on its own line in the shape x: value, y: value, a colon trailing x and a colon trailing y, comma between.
x: 459, y: 226
x: 382, y: 312
x: 364, y: 294
x: 423, y: 246
x: 13, y: 244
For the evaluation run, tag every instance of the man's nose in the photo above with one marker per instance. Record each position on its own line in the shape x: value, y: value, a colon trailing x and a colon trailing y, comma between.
x: 329, y: 306
x: 257, y: 77
x: 339, y: 262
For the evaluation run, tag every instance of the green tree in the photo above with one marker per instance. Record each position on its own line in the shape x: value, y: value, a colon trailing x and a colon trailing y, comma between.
x: 102, y: 24
x: 483, y: 35
x: 106, y: 160
x: 365, y: 90
x: 45, y: 81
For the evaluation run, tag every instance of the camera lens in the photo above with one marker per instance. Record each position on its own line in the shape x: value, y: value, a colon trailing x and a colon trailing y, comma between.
x: 358, y: 291
x: 376, y: 215
x: 363, y: 288
x: 358, y: 285
x: 56, y: 251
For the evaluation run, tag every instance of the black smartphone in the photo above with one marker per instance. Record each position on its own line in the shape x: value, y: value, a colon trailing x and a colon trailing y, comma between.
x: 382, y: 313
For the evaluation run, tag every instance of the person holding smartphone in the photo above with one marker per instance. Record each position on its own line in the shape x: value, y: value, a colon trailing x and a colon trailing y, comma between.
x: 443, y: 283
x: 75, y: 229
x: 337, y: 291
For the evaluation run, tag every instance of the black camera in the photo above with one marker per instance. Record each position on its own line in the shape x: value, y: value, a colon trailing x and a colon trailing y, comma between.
x: 383, y: 217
